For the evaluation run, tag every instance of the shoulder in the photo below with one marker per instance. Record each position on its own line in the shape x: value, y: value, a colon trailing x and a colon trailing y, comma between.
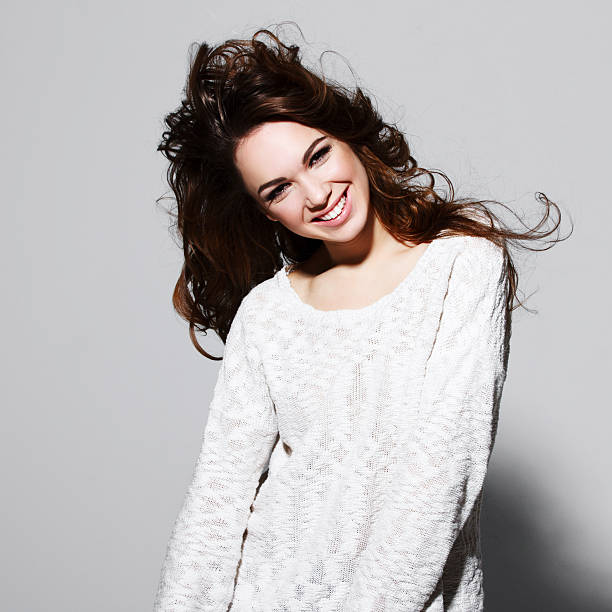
x: 255, y: 308
x: 258, y: 298
x: 476, y: 247
x: 248, y: 325
x: 476, y: 256
x: 474, y: 269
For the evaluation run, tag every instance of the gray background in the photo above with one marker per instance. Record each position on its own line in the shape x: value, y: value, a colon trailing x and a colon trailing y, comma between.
x: 105, y: 399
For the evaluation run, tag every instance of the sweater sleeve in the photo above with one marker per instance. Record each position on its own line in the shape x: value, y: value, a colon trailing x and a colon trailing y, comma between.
x: 205, y: 546
x: 448, y: 442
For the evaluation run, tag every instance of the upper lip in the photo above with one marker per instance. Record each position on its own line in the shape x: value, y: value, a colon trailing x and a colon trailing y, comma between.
x: 332, y: 206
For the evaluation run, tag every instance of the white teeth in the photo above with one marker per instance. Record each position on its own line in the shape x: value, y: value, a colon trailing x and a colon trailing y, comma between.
x: 336, y: 210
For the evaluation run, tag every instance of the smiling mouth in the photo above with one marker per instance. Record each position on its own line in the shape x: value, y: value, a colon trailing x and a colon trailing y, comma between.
x: 335, y: 210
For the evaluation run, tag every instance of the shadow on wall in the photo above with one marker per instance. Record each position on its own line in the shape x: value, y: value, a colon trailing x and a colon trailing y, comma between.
x: 523, y: 569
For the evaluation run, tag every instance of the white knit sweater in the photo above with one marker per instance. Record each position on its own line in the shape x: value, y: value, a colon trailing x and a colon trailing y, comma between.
x: 376, y: 427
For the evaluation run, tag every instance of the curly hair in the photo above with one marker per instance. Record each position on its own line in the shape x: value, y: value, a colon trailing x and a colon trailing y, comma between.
x: 229, y: 246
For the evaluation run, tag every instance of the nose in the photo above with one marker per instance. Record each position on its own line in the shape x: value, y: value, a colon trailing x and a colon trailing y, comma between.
x: 317, y: 193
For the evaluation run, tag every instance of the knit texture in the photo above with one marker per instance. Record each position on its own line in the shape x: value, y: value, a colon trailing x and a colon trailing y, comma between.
x: 345, y: 451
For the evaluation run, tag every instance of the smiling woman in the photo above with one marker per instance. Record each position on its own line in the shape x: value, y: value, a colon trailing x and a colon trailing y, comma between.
x: 366, y: 317
x: 318, y: 172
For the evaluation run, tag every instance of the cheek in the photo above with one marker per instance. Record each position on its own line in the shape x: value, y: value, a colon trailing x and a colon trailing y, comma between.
x: 360, y: 174
x: 340, y: 167
x: 289, y: 212
x: 348, y: 166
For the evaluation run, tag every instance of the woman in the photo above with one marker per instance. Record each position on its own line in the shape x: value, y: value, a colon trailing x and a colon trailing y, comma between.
x: 356, y: 406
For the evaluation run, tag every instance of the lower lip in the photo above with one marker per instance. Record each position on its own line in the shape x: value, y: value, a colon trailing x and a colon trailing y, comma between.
x: 341, y: 218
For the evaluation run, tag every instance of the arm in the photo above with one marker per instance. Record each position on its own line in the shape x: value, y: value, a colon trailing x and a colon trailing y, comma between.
x: 205, y: 545
x: 448, y: 443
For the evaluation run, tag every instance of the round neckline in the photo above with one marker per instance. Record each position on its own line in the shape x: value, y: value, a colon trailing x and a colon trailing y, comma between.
x: 410, y: 278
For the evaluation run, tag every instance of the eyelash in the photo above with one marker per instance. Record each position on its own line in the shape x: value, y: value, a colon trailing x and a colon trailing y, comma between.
x: 314, y: 160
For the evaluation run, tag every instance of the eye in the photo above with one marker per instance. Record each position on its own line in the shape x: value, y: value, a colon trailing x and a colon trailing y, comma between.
x: 319, y: 155
x: 317, y: 158
x: 276, y: 192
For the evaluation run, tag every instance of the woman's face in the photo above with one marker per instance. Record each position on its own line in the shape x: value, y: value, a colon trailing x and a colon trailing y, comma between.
x: 297, y: 173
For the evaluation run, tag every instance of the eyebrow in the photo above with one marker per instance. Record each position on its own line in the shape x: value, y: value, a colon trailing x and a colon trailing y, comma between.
x: 307, y: 153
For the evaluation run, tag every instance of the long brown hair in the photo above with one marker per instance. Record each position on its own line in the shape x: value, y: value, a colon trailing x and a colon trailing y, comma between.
x: 228, y: 243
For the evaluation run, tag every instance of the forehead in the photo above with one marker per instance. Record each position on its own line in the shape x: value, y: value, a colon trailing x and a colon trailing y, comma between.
x: 272, y: 150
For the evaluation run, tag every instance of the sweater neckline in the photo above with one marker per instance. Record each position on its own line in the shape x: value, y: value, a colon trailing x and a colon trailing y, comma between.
x: 415, y: 273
